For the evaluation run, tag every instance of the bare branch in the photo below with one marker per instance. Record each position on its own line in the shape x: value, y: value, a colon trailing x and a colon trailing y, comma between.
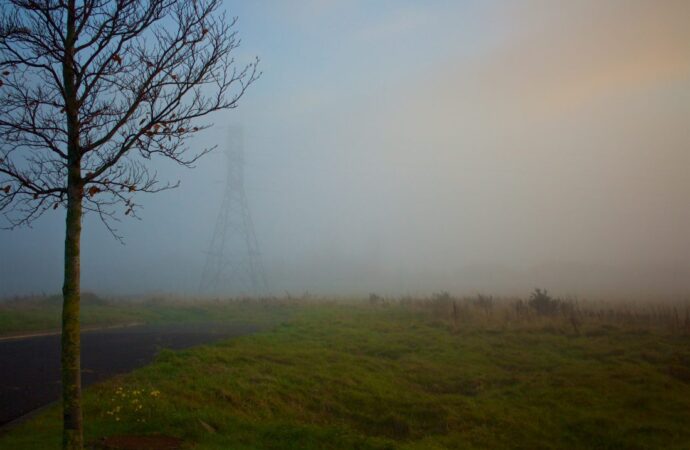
x: 146, y: 74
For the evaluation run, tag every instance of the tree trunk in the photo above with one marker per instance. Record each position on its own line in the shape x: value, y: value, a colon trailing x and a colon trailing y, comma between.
x: 70, y: 356
x: 72, y: 428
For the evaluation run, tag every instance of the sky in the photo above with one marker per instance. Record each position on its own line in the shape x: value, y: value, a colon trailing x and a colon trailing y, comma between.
x: 408, y: 147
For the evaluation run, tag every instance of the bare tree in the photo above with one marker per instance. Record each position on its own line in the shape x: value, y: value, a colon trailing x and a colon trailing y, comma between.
x: 90, y: 91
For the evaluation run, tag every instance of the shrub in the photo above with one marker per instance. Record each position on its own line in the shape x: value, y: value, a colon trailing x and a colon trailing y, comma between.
x: 375, y: 299
x: 543, y: 303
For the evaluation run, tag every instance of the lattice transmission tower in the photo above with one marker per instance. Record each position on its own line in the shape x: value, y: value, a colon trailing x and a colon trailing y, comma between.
x: 233, y: 264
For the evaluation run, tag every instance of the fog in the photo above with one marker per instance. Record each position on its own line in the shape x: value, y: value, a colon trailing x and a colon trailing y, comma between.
x: 405, y: 147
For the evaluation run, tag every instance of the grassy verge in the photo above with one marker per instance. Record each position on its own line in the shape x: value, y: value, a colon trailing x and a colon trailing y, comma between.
x: 43, y: 314
x: 348, y: 376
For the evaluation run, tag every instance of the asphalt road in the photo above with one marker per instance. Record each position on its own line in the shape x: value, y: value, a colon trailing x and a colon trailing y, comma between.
x: 30, y: 367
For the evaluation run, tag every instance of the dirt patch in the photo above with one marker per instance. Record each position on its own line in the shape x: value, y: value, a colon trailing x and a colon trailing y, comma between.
x: 138, y: 443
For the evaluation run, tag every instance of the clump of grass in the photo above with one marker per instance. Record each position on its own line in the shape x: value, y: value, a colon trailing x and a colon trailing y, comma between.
x: 546, y: 313
x: 130, y: 403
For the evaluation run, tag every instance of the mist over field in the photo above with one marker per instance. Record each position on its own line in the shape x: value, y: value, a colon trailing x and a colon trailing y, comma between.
x: 412, y: 147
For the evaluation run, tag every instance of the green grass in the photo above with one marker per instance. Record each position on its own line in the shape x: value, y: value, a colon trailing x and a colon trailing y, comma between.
x: 348, y: 376
x: 44, y: 314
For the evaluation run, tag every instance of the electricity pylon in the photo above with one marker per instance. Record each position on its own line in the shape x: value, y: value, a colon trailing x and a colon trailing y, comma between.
x: 232, y: 263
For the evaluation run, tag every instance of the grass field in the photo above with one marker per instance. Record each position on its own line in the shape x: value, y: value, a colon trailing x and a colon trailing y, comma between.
x: 42, y: 314
x: 343, y: 376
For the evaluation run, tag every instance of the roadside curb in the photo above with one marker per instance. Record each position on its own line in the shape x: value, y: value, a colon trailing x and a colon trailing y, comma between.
x: 57, y: 332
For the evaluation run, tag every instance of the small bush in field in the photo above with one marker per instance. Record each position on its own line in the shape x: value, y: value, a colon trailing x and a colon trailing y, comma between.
x: 543, y: 303
x: 375, y: 299
x: 485, y: 302
x: 442, y: 302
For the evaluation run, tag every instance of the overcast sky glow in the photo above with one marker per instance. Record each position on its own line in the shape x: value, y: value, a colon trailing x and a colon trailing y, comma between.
x: 406, y: 147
